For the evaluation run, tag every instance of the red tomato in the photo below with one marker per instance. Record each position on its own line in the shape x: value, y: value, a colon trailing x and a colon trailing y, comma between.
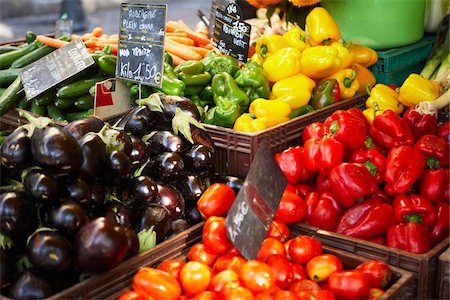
x: 199, y: 253
x: 375, y: 293
x: 379, y: 273
x: 239, y: 293
x: 195, y: 277
x: 315, y: 295
x: 349, y: 285
x: 135, y: 295
x: 292, y: 208
x: 206, y: 295
x: 220, y: 280
x: 214, y: 235
x: 286, y: 248
x: 278, y: 230
x: 232, y: 251
x: 216, y: 200
x: 156, y: 283
x: 319, y: 268
x: 299, y: 271
x: 228, y: 263
x: 172, y: 267
x: 282, y: 268
x: 277, y: 295
x: 269, y: 247
x: 257, y: 276
x: 303, y: 284
x: 303, y: 248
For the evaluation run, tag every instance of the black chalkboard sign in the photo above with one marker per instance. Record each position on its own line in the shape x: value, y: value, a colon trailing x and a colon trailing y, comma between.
x: 231, y: 35
x: 252, y: 212
x: 54, y: 68
x: 141, y: 43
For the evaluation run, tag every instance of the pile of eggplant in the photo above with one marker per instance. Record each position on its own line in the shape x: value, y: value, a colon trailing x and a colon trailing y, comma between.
x: 80, y: 199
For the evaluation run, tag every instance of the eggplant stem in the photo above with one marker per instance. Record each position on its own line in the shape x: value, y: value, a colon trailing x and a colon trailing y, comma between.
x: 147, y: 239
x: 40, y: 122
x: 5, y: 242
x: 138, y: 172
x: 153, y: 102
x: 181, y: 123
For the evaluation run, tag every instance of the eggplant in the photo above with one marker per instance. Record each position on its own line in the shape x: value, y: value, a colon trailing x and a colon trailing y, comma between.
x: 142, y: 190
x: 167, y: 166
x: 200, y: 136
x: 49, y: 251
x: 233, y: 182
x: 7, y: 269
x: 99, y: 246
x: 169, y: 103
x: 16, y: 213
x: 79, y: 128
x: 76, y: 189
x: 93, y: 150
x: 138, y: 121
x: 198, y: 159
x: 170, y: 198
x: 193, y: 215
x: 41, y: 185
x: 157, y: 216
x: 116, y: 139
x: 67, y: 216
x: 55, y: 149
x: 192, y: 187
x: 31, y: 284
x: 119, y: 165
x: 117, y: 212
x: 133, y: 241
x: 164, y: 141
x: 16, y: 149
x: 139, y: 151
x: 97, y: 195
x: 179, y: 225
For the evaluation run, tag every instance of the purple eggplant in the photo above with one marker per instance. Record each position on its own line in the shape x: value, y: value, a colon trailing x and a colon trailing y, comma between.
x: 41, y: 185
x: 164, y: 141
x: 17, y: 215
x: 94, y: 155
x: 168, y: 105
x: 133, y: 241
x: 79, y: 128
x: 138, y: 121
x: 193, y: 215
x: 16, y: 150
x: 76, y: 189
x: 7, y: 269
x: 139, y: 151
x: 198, y: 159
x: 157, y: 216
x: 170, y: 198
x: 119, y: 166
x: 117, y: 212
x: 116, y: 140
x: 167, y: 166
x: 31, y: 284
x: 141, y: 191
x: 192, y: 187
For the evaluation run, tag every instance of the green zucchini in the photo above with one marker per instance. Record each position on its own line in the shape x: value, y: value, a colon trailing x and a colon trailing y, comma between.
x: 85, y: 102
x: 7, y: 48
x: 36, y: 109
x: 30, y: 36
x: 65, y: 103
x: 6, y: 59
x: 55, y: 113
x: 24, y: 104
x: 45, y: 98
x: 302, y: 110
x: 11, y: 96
x: 107, y: 63
x: 79, y: 115
x: 79, y: 88
x: 8, y: 76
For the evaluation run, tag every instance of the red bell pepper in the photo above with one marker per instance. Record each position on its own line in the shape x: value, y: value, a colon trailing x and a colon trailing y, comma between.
x: 412, y: 237
x: 323, y: 210
x: 414, y: 208
x: 434, y: 185
x: 323, y: 154
x: 444, y: 131
x: 350, y: 182
x: 301, y: 189
x: 435, y: 150
x: 292, y: 162
x: 420, y: 121
x: 404, y: 165
x: 367, y: 219
x: 312, y: 131
x: 357, y: 113
x: 351, y: 131
x: 440, y: 229
x: 379, y: 240
x: 374, y: 161
x: 389, y: 130
x: 322, y: 184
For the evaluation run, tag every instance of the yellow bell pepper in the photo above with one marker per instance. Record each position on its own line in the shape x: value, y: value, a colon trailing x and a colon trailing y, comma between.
x: 416, y: 89
x: 382, y: 98
x: 283, y: 63
x: 246, y: 123
x: 322, y: 27
x: 258, y: 58
x: 364, y: 55
x: 268, y: 44
x: 346, y: 56
x: 270, y: 112
x: 365, y: 78
x: 320, y: 61
x: 348, y: 84
x: 295, y: 90
x: 296, y: 38
x: 371, y: 113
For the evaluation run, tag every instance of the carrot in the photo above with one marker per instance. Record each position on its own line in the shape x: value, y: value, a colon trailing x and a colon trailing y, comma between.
x: 86, y: 36
x: 208, y: 46
x: 182, y: 34
x: 181, y: 50
x: 97, y: 31
x: 199, y: 50
x: 90, y: 43
x: 73, y: 37
x: 52, y: 42
x: 103, y: 37
x: 181, y: 40
x: 199, y: 39
x: 114, y: 47
x: 170, y: 28
x: 114, y: 36
x: 176, y: 60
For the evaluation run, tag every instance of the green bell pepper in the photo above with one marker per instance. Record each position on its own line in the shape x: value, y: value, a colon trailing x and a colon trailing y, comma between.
x: 253, y: 80
x: 171, y: 85
x: 206, y: 95
x: 326, y: 93
x: 224, y: 115
x: 193, y: 90
x: 197, y: 101
x: 168, y: 58
x: 222, y: 63
x: 225, y: 89
x: 192, y: 72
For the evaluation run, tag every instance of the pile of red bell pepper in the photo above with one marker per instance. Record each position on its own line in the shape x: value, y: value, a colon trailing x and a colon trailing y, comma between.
x: 387, y: 182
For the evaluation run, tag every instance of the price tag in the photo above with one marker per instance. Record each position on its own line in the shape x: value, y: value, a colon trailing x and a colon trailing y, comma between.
x: 141, y: 43
x: 112, y: 97
x: 54, y: 68
x: 231, y: 34
x: 252, y: 212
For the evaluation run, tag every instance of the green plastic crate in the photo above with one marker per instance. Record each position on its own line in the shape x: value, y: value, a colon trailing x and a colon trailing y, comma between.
x: 399, y: 76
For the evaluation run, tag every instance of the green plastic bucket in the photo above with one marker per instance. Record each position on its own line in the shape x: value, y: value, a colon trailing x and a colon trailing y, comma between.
x: 379, y: 24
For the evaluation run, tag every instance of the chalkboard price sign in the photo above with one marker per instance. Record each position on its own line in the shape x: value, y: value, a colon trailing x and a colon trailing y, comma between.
x: 54, y: 68
x: 141, y: 43
x: 231, y: 35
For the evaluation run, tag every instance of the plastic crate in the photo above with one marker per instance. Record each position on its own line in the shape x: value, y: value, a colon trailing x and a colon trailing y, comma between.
x: 443, y: 279
x: 235, y: 150
x: 423, y: 266
x: 399, y: 76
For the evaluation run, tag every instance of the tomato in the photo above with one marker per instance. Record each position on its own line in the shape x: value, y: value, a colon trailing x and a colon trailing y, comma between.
x: 239, y: 293
x: 228, y: 263
x: 206, y: 295
x: 135, y: 295
x: 199, y: 253
x: 292, y: 208
x: 195, y: 277
x: 282, y: 268
x: 216, y: 200
x: 315, y: 295
x: 286, y: 248
x: 349, y: 285
x: 214, y: 236
x: 269, y: 247
x: 379, y: 273
x: 172, y: 267
x: 277, y: 295
x: 375, y: 293
x: 156, y: 283
x: 220, y: 280
x: 299, y: 271
x: 303, y: 248
x: 278, y: 230
x: 257, y: 276
x: 232, y: 251
x: 319, y: 268
x: 303, y: 284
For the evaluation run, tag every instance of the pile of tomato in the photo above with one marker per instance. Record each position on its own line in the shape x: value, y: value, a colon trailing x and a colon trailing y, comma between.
x: 285, y: 268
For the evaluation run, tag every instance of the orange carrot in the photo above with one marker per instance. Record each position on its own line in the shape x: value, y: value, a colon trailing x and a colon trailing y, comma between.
x: 90, y: 43
x: 181, y: 40
x: 176, y: 60
x: 181, y: 50
x: 199, y: 50
x: 97, y: 31
x: 182, y: 34
x: 199, y: 39
x: 73, y: 37
x: 208, y: 46
x: 52, y: 42
x: 114, y: 47
x: 170, y: 28
x: 86, y: 36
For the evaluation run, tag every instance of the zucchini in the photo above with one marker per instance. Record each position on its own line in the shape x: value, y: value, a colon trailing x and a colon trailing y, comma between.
x: 11, y: 96
x: 45, y: 98
x: 302, y: 110
x: 79, y: 115
x: 30, y: 36
x: 79, y: 88
x: 6, y: 59
x: 8, y: 76
x: 24, y: 104
x: 65, y: 103
x: 107, y: 63
x: 7, y: 48
x: 55, y: 113
x: 2, y: 90
x: 85, y: 102
x: 36, y: 109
